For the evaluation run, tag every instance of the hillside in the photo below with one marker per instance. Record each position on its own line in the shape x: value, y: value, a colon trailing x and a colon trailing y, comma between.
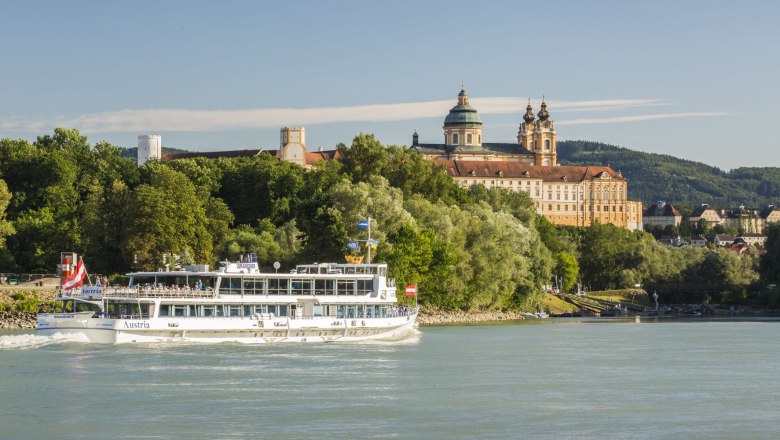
x: 682, y: 182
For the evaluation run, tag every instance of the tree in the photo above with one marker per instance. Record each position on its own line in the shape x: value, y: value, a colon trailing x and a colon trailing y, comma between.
x: 261, y: 187
x: 770, y: 261
x: 567, y: 267
x: 166, y: 217
x: 366, y: 157
x: 6, y: 228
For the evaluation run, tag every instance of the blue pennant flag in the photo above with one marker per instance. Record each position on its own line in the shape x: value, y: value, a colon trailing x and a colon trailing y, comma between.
x: 363, y: 224
x: 353, y: 245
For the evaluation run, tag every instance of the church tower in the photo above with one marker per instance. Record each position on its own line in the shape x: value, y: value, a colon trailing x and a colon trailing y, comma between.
x: 292, y: 145
x: 463, y: 126
x: 539, y: 136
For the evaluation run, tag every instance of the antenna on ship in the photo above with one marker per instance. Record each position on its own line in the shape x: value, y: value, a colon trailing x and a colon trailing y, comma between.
x: 369, y: 243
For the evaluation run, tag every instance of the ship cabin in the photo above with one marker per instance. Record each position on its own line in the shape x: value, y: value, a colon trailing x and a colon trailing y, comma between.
x: 241, y: 290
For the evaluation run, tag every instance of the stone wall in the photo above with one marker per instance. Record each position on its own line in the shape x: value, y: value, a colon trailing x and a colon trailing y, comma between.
x: 18, y: 320
x: 433, y: 316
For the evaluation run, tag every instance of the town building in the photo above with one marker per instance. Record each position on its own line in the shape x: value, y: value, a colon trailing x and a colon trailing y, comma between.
x: 769, y: 215
x: 724, y: 240
x: 699, y: 240
x: 565, y: 195
x: 742, y: 219
x: 706, y: 213
x: 661, y: 214
x: 672, y: 240
x: 292, y: 148
x: 752, y: 239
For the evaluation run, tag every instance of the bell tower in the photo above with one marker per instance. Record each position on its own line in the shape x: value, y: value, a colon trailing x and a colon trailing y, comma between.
x: 538, y: 136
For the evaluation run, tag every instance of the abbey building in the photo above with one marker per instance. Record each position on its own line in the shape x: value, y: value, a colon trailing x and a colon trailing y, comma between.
x: 565, y: 195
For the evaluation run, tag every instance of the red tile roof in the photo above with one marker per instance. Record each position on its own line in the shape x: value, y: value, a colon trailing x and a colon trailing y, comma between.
x: 312, y: 157
x: 503, y: 169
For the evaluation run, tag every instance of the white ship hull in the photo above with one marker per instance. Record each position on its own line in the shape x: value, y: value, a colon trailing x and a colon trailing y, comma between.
x: 224, y: 329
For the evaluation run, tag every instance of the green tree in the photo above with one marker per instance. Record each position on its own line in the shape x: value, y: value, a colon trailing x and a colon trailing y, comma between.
x: 166, y: 217
x: 770, y: 261
x: 6, y: 228
x: 366, y: 157
x: 261, y: 187
x: 568, y: 269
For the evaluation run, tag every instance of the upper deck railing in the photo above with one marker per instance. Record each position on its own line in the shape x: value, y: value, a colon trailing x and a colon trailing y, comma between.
x: 140, y: 292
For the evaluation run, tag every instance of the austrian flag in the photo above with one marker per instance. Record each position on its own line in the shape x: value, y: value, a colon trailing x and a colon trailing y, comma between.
x: 411, y: 290
x: 77, y: 278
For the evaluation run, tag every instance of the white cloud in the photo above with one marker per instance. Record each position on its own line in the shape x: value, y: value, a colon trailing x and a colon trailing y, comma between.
x: 638, y: 118
x: 172, y: 120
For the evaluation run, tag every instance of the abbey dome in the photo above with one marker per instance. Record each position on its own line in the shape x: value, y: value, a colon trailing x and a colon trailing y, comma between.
x: 463, y: 113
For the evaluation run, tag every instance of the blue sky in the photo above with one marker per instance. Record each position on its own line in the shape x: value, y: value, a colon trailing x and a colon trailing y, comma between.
x: 697, y: 80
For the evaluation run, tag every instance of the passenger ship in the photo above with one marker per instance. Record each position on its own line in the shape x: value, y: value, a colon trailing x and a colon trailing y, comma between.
x: 326, y: 302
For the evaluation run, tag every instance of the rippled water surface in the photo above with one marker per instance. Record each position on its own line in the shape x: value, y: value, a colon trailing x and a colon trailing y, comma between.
x: 561, y: 379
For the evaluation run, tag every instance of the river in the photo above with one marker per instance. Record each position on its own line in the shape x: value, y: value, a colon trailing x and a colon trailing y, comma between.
x: 541, y: 379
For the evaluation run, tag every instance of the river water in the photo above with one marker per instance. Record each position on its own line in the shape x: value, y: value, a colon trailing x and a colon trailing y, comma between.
x: 542, y: 379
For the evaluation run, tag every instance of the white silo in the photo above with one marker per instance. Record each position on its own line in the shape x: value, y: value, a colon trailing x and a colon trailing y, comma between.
x: 149, y: 147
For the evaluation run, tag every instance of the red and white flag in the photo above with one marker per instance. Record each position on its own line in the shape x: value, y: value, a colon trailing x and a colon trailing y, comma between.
x: 77, y: 278
x: 411, y: 290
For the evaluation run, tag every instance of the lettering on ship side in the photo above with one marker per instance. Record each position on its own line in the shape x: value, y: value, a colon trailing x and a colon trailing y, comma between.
x: 138, y: 324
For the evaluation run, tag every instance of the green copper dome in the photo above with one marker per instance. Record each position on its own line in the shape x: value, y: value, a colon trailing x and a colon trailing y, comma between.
x: 463, y: 113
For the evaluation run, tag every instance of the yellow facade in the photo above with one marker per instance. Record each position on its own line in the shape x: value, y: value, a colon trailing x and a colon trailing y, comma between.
x: 565, y: 195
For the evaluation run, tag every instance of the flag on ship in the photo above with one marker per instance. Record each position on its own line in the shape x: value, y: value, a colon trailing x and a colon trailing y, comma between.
x: 362, y: 224
x: 411, y: 290
x: 77, y: 278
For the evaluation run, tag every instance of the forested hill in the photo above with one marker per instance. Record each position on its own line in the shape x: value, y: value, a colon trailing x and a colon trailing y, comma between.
x: 655, y: 177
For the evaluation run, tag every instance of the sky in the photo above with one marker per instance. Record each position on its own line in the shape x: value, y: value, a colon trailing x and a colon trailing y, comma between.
x: 693, y: 79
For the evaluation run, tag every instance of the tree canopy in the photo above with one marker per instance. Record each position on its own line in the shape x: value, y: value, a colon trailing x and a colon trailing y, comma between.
x: 465, y: 248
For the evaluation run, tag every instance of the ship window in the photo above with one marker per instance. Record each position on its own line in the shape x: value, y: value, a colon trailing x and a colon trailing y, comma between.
x: 301, y: 287
x: 208, y: 311
x: 278, y: 286
x: 284, y: 310
x: 235, y: 310
x: 254, y: 286
x: 248, y: 311
x: 165, y: 310
x: 345, y: 287
x: 365, y: 286
x: 220, y: 311
x: 179, y: 310
x: 230, y: 286
x: 323, y: 287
